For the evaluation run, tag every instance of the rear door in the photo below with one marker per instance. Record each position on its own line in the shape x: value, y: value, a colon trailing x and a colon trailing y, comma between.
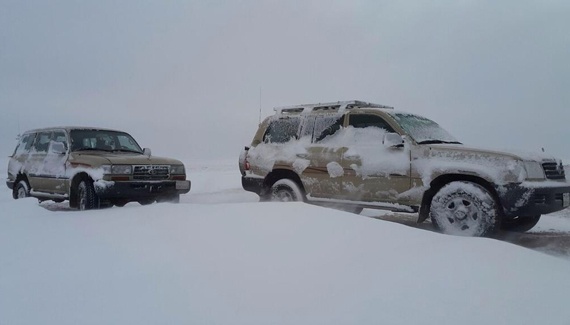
x: 323, y: 173
x: 46, y: 169
x: 56, y: 180
x: 35, y: 162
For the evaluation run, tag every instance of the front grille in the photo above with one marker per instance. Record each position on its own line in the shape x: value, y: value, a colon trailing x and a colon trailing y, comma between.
x: 553, y: 170
x: 539, y: 199
x: 151, y: 172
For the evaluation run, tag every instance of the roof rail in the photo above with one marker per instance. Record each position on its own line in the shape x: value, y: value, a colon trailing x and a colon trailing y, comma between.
x: 333, y: 106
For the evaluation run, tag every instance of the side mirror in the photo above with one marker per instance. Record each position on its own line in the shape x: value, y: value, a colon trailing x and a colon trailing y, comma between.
x: 57, y: 148
x: 146, y: 152
x: 393, y: 140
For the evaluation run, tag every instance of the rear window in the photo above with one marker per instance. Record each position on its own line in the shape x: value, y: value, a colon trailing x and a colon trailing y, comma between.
x: 282, y: 130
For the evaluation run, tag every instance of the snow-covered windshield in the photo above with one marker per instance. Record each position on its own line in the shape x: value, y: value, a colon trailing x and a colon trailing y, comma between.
x: 423, y: 130
x: 103, y: 140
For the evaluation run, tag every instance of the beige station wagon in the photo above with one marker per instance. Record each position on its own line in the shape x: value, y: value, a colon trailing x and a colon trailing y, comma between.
x: 354, y: 155
x: 92, y: 168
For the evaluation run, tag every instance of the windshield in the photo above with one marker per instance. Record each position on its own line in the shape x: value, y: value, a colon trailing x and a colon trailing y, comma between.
x: 103, y: 140
x: 423, y: 130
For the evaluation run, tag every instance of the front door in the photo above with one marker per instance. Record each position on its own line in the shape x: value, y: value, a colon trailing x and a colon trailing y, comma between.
x: 372, y: 172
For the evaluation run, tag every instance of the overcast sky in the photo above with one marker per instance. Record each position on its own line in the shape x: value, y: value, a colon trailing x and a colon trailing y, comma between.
x: 184, y: 77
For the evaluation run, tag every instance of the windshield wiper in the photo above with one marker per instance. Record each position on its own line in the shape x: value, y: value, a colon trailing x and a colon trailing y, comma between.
x: 438, y: 141
x: 90, y: 149
x: 127, y: 150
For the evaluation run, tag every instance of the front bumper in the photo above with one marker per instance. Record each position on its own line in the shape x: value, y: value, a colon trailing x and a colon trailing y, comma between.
x: 524, y: 201
x: 141, y: 189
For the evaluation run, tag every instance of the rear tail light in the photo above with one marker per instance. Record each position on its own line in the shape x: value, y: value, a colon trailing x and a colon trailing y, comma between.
x: 246, y: 164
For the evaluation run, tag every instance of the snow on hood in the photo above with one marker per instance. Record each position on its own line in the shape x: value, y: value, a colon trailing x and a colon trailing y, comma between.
x: 515, y: 154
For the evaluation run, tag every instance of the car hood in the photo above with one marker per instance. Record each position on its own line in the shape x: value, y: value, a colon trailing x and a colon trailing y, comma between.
x: 474, y: 151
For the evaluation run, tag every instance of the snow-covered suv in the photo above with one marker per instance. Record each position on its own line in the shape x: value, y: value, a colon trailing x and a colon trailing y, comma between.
x: 92, y: 167
x: 356, y: 155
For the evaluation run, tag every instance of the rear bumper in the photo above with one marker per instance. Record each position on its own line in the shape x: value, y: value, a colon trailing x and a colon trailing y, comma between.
x: 523, y: 201
x: 130, y: 190
x: 251, y: 184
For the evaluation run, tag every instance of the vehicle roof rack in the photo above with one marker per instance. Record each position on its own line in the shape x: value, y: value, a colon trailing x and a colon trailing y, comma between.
x: 333, y: 107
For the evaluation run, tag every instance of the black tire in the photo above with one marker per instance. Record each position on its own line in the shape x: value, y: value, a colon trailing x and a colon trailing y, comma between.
x: 86, y: 197
x: 21, y: 190
x: 520, y: 224
x: 286, y: 190
x: 466, y: 209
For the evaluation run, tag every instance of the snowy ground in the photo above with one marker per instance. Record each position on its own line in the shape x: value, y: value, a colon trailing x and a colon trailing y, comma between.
x: 221, y: 257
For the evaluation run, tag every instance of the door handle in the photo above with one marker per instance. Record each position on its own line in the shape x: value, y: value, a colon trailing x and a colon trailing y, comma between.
x: 352, y: 157
x: 302, y: 155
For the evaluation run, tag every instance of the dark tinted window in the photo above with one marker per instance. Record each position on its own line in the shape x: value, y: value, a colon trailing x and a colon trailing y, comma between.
x: 368, y: 120
x: 282, y: 130
x: 326, y: 126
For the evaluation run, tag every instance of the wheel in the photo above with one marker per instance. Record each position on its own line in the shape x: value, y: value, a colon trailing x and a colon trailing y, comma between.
x: 286, y: 190
x: 86, y: 197
x: 520, y: 224
x: 21, y: 190
x: 466, y: 209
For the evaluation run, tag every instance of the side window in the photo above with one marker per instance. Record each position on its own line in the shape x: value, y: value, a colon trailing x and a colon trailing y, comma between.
x: 59, y: 136
x: 308, y: 127
x: 30, y: 142
x: 368, y: 120
x: 326, y: 126
x: 282, y: 130
x: 42, y: 142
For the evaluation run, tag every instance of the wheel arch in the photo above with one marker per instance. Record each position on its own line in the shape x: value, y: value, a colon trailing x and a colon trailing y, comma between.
x: 445, y: 179
x: 20, y: 177
x: 281, y: 173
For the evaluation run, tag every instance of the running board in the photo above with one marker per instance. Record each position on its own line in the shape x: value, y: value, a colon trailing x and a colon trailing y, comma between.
x: 363, y: 204
x: 49, y: 195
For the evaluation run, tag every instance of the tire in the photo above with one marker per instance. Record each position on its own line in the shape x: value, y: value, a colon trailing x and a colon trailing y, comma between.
x: 466, y: 209
x: 520, y: 224
x: 86, y: 197
x: 21, y: 190
x: 286, y: 190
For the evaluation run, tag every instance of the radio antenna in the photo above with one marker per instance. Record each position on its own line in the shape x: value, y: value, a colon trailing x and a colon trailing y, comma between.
x: 259, y: 104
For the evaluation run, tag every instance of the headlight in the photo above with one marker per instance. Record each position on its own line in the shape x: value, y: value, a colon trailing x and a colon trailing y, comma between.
x: 121, y: 169
x: 533, y: 170
x: 177, y: 170
x: 117, y: 169
x: 106, y: 169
